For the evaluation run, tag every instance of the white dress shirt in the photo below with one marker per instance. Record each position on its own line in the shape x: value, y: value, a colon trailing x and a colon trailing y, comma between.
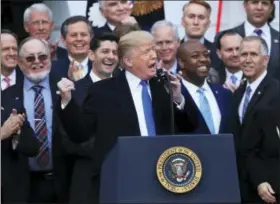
x: 111, y: 26
x: 215, y: 110
x: 238, y: 75
x: 83, y: 65
x: 12, y: 78
x: 249, y: 31
x: 136, y: 92
x: 94, y: 77
x: 173, y: 68
x: 254, y: 87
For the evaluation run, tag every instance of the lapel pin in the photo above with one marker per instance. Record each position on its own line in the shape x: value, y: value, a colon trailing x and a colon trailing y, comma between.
x: 17, y: 98
x: 216, y: 92
x: 276, y: 41
x: 2, y: 108
x: 259, y: 93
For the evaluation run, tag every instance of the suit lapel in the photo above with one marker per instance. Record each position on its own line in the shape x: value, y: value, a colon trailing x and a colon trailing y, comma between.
x: 123, y: 94
x: 238, y: 95
x: 55, y: 98
x: 256, y: 97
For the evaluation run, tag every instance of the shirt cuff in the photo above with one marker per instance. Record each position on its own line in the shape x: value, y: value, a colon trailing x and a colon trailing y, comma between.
x: 63, y: 105
x: 181, y: 105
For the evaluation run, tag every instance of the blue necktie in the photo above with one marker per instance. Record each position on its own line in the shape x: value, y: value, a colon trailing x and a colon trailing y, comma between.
x: 233, y: 79
x: 148, y: 109
x: 246, y: 101
x: 205, y: 110
x: 258, y: 32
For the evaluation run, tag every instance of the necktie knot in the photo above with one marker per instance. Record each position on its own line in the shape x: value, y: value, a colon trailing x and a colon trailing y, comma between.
x: 144, y: 83
x: 7, y: 79
x: 258, y: 32
x: 200, y: 90
x: 248, y: 90
x: 233, y: 79
x: 37, y: 88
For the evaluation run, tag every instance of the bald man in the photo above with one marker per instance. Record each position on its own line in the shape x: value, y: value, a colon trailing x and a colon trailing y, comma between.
x: 211, y: 102
x: 134, y: 103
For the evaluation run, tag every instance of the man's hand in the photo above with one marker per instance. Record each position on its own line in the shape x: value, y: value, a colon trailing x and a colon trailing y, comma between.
x: 65, y: 87
x: 176, y: 87
x: 230, y: 87
x: 129, y: 20
x: 266, y: 192
x: 12, y: 125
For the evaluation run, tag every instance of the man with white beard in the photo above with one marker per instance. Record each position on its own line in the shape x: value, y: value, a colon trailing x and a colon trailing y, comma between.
x: 49, y: 180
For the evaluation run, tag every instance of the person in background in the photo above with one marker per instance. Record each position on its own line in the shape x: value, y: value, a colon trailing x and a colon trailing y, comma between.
x: 38, y: 23
x: 228, y: 45
x: 10, y: 73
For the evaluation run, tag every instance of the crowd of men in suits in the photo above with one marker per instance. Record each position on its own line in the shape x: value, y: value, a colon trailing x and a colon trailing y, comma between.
x: 62, y: 109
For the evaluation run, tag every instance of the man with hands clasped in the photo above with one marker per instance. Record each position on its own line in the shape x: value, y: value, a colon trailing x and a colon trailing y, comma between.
x: 131, y: 104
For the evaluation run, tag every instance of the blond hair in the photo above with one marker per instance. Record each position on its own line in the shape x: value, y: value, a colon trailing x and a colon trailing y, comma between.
x: 131, y: 41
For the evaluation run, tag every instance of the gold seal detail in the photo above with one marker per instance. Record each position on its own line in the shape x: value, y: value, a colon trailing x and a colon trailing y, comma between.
x: 179, y: 169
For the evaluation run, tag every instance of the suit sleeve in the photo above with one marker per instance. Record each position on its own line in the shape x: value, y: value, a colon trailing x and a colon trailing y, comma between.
x: 255, y: 165
x: 27, y: 142
x: 80, y: 122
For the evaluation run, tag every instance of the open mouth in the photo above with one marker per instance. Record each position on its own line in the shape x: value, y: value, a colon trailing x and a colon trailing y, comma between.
x: 153, y: 65
x: 108, y: 63
x: 35, y: 67
x: 202, y: 69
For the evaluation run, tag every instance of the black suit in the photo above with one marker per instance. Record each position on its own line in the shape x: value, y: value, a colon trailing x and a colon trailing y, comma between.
x: 109, y: 112
x: 14, y: 162
x: 274, y: 62
x: 261, y: 152
x: 104, y: 29
x: 62, y: 148
x: 266, y: 95
x: 61, y: 53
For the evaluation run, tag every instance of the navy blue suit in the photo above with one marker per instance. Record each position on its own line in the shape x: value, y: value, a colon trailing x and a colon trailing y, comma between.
x: 61, y: 53
x: 223, y: 98
x: 15, y: 169
x: 60, y: 67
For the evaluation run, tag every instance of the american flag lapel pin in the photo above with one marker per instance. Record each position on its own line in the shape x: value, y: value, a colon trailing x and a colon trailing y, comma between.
x: 2, y: 108
x: 276, y: 41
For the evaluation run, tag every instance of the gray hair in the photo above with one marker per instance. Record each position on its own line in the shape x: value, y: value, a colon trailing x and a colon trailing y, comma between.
x: 36, y: 7
x: 164, y: 23
x: 263, y: 45
x: 101, y: 3
x: 26, y: 40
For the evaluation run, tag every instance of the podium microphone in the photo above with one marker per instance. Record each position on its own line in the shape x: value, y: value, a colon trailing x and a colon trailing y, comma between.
x: 163, y: 76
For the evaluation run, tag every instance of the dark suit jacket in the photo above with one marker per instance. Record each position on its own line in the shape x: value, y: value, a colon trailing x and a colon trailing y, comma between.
x: 14, y: 162
x: 99, y: 31
x: 261, y: 151
x: 223, y: 98
x: 109, y: 112
x: 61, y: 53
x: 266, y: 95
x: 62, y: 147
x: 274, y: 61
x: 60, y: 67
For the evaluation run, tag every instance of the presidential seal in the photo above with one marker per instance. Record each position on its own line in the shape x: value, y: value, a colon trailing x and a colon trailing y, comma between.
x: 179, y: 169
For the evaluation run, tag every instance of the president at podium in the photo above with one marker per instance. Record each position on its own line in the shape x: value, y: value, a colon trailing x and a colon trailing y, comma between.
x: 134, y: 103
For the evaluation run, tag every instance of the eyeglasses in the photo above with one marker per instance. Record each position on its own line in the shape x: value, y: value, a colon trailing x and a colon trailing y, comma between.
x: 32, y: 58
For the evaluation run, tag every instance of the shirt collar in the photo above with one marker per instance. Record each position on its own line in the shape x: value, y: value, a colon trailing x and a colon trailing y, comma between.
x: 111, y: 26
x: 238, y: 74
x: 94, y: 77
x: 249, y: 29
x: 201, y: 39
x: 173, y: 68
x: 257, y: 82
x: 12, y: 76
x: 133, y: 81
x: 193, y: 88
x: 29, y: 84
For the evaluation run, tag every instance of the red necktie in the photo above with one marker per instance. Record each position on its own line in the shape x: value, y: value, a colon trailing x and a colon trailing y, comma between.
x: 8, y: 81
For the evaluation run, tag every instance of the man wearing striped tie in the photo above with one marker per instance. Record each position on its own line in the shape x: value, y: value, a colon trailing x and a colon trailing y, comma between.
x: 258, y: 92
x: 49, y: 180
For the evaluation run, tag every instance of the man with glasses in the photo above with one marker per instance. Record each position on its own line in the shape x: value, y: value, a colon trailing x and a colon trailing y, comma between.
x: 39, y: 24
x: 50, y: 169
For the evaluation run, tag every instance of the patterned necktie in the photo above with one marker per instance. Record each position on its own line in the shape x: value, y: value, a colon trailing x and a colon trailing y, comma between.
x: 7, y: 81
x: 246, y: 100
x: 148, y: 109
x: 233, y: 79
x: 41, y: 131
x: 205, y: 110
x: 258, y: 32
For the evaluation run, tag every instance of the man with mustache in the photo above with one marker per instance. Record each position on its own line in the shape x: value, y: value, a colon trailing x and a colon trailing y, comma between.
x: 260, y: 91
x: 135, y: 103
x: 49, y: 171
x: 38, y: 23
x: 228, y: 44
x: 258, y: 12
x: 10, y: 73
x: 210, y: 102
x: 76, y: 33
